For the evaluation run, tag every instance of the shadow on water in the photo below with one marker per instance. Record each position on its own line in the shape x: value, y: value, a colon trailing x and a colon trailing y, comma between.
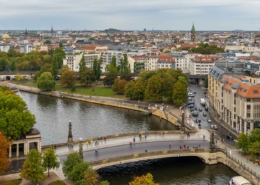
x: 170, y: 171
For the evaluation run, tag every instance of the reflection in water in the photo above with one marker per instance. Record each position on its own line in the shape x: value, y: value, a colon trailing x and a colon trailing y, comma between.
x: 88, y: 120
x: 171, y: 171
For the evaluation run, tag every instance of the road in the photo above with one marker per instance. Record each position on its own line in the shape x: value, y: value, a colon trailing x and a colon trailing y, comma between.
x: 221, y: 132
x: 122, y: 150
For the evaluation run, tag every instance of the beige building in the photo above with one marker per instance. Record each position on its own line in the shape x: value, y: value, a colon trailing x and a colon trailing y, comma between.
x: 235, y: 100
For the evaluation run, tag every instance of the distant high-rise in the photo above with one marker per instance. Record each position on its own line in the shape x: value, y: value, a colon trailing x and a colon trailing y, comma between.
x: 193, y: 32
x: 52, y: 32
x: 144, y: 29
x: 26, y: 33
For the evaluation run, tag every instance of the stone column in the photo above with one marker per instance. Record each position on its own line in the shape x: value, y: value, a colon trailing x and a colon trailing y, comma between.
x: 17, y: 150
x: 70, y: 136
x: 39, y: 146
x: 10, y: 151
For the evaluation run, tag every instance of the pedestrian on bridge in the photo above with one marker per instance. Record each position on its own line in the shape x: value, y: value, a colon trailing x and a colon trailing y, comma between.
x: 134, y: 140
x: 170, y: 145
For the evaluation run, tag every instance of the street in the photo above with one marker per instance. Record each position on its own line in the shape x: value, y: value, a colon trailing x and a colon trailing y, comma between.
x: 221, y: 132
x: 127, y: 149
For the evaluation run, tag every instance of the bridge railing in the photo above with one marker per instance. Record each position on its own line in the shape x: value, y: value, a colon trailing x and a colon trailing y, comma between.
x: 148, y: 154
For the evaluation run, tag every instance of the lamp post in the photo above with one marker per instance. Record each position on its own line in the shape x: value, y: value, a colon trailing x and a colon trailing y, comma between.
x: 80, y: 147
x: 182, y: 122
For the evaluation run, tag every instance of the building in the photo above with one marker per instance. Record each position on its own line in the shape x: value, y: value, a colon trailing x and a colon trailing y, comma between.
x: 4, y: 48
x: 72, y: 61
x: 26, y: 48
x: 201, y: 64
x: 234, y: 96
x: 6, y: 38
x: 193, y: 33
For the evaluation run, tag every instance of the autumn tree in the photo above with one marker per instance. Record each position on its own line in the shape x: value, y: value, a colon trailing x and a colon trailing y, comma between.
x: 139, y: 89
x: 4, y: 146
x: 87, y: 77
x: 50, y: 159
x: 46, y: 81
x: 91, y: 177
x: 32, y: 167
x: 119, y: 86
x: 143, y: 180
x: 153, y: 89
x: 68, y: 78
x: 179, y: 95
x: 129, y: 89
x: 15, y: 119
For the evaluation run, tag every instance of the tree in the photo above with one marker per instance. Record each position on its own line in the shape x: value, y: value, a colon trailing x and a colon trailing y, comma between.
x: 32, y: 167
x: 119, y: 86
x: 153, y: 89
x: 145, y: 75
x: 46, y: 81
x: 96, y: 69
x: 143, y: 180
x: 59, y: 55
x: 111, y: 68
x: 109, y: 79
x: 87, y: 77
x: 4, y: 146
x: 206, y: 83
x: 139, y: 89
x: 60, y: 45
x: 55, y: 65
x: 254, y: 148
x: 254, y: 135
x: 3, y: 64
x: 124, y: 65
x: 15, y: 119
x: 72, y: 160
x: 129, y: 89
x: 68, y: 78
x: 50, y: 159
x: 179, y: 95
x: 82, y: 69
x: 167, y: 87
x: 183, y: 80
x: 47, y: 42
x: 91, y: 177
x: 104, y: 183
x: 243, y: 142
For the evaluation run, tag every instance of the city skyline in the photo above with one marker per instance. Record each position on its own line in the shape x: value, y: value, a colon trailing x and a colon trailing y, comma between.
x: 132, y: 15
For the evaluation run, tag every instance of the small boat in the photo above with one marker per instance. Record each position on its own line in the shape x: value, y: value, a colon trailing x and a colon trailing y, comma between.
x: 239, y: 180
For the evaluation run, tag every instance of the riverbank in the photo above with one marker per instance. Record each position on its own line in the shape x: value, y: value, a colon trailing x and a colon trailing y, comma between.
x: 170, y: 113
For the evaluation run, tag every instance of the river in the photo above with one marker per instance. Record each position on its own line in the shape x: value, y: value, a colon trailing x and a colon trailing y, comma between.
x: 88, y: 119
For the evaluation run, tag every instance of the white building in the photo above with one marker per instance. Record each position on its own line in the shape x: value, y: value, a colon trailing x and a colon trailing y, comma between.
x: 72, y: 61
x: 4, y: 48
x: 26, y: 48
x: 201, y: 64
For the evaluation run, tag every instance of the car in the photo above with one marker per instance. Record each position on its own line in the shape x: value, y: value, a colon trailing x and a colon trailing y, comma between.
x: 209, y: 120
x: 189, y: 99
x: 192, y: 109
x: 195, y: 113
x: 206, y: 108
x: 200, y: 109
x: 191, y: 105
x: 204, y: 114
x: 229, y: 136
x: 190, y: 102
x: 190, y: 95
x: 195, y: 108
x: 196, y: 120
x: 215, y: 127
x: 194, y: 92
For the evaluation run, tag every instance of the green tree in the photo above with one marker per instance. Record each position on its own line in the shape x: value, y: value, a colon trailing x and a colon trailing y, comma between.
x: 167, y: 87
x: 96, y: 69
x: 11, y: 53
x: 115, y: 85
x: 72, y: 160
x: 50, y: 159
x: 3, y: 64
x: 153, y: 89
x: 104, y: 183
x: 55, y: 65
x: 179, y: 95
x: 129, y: 89
x: 32, y: 167
x: 15, y: 119
x: 47, y: 59
x: 91, y: 177
x: 68, y: 78
x: 254, y: 148
x: 111, y: 68
x: 243, y: 142
x: 119, y: 86
x: 46, y: 81
x: 146, y: 75
x: 47, y: 42
x: 143, y: 180
x: 183, y: 80
x: 59, y: 54
x: 88, y: 76
x: 82, y: 69
x: 60, y: 45
x: 77, y: 172
x: 254, y: 136
x: 124, y: 65
x: 4, y: 146
x: 109, y: 79
x: 139, y: 89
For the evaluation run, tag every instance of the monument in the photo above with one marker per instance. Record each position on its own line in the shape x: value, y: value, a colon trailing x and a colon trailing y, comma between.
x: 70, y: 137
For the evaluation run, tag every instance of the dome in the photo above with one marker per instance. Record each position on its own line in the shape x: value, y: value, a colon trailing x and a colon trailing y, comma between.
x: 5, y: 36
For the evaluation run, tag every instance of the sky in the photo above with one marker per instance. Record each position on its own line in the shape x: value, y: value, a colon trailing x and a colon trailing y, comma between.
x: 130, y: 14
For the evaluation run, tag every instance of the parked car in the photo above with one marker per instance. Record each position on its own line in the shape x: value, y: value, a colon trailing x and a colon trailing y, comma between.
x: 206, y: 108
x: 192, y: 109
x: 215, y: 127
x: 229, y: 136
x: 204, y: 114
x: 200, y: 109
x: 191, y: 105
x: 195, y: 113
x: 209, y: 120
x: 195, y: 108
x: 190, y: 102
x: 190, y: 94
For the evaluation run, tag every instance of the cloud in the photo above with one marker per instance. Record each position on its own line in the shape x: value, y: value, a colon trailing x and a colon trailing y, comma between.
x: 133, y: 14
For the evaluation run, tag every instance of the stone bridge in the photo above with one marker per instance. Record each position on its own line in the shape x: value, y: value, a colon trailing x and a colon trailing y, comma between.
x: 205, y: 154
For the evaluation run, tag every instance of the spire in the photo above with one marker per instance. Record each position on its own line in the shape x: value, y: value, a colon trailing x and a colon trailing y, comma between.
x: 193, y: 27
x: 193, y: 33
x: 26, y: 32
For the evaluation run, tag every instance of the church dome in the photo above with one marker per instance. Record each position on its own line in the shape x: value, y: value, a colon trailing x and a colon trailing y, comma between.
x: 5, y: 36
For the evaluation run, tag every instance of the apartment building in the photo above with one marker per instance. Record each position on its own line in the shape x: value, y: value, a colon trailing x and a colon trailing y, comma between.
x: 90, y: 57
x: 72, y: 61
x: 26, y: 48
x: 201, y: 64
x: 235, y: 99
x: 4, y: 47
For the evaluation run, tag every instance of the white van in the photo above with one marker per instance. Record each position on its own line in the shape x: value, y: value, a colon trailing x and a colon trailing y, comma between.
x: 190, y: 94
x: 239, y: 180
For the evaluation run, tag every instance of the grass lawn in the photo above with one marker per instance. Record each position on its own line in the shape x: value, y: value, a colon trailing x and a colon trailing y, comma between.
x: 12, y: 182
x: 99, y: 90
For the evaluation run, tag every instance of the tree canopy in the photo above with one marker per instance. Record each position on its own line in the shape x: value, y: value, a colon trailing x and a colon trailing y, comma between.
x: 68, y: 78
x: 4, y: 146
x: 32, y: 167
x: 46, y: 81
x: 15, y: 119
x: 50, y: 159
x: 143, y: 180
x: 207, y: 49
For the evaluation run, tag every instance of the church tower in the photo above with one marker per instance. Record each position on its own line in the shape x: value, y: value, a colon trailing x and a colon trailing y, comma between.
x: 193, y: 33
x: 52, y: 33
x: 26, y: 33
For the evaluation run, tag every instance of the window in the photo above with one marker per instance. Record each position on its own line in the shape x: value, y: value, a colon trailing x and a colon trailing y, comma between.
x: 235, y: 109
x: 248, y: 115
x: 248, y: 99
x: 234, y: 116
x: 234, y: 102
x: 248, y: 107
x: 255, y: 91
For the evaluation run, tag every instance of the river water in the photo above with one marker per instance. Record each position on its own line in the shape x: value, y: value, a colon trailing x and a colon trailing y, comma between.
x: 88, y: 119
x: 91, y: 120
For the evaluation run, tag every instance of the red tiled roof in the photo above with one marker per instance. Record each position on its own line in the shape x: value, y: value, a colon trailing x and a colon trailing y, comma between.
x: 90, y: 48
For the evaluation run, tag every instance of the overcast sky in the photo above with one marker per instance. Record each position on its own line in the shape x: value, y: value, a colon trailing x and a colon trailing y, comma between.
x: 130, y: 14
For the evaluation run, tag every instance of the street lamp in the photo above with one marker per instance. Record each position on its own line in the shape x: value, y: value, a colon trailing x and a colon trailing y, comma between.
x: 80, y: 147
x: 182, y: 122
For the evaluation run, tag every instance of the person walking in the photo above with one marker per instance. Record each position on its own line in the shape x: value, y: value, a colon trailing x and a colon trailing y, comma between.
x: 170, y: 145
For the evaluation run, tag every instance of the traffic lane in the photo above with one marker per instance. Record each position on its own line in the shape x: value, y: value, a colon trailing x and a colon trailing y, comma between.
x: 122, y: 150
